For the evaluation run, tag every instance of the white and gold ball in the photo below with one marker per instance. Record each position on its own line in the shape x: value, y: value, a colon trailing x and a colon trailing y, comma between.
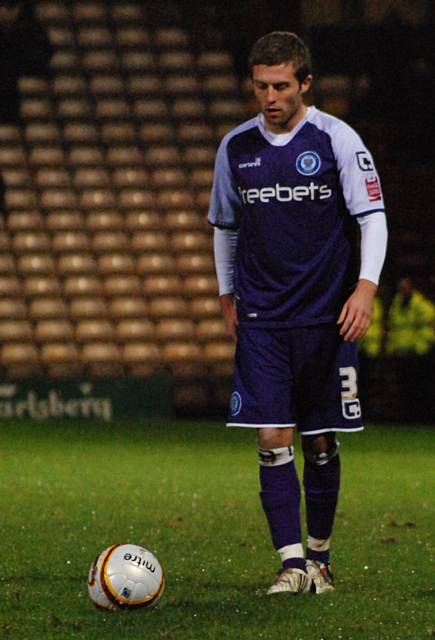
x: 125, y: 576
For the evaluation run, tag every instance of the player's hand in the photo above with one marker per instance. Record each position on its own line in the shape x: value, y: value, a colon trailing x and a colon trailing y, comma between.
x: 230, y: 314
x: 357, y: 312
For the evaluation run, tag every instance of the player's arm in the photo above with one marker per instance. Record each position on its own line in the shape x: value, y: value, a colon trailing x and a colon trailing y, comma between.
x: 224, y: 216
x: 364, y: 200
x: 225, y: 242
x: 357, y: 312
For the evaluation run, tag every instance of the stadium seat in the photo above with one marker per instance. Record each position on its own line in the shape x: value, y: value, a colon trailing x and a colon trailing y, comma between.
x: 65, y: 61
x: 162, y: 285
x: 85, y: 12
x: 14, y: 177
x: 102, y: 359
x: 170, y: 329
x: 170, y: 38
x: 195, y: 262
x: 92, y: 330
x: 30, y: 241
x: 15, y: 331
x: 129, y: 199
x: 45, y: 308
x: 141, y: 358
x: 58, y: 199
x: 140, y: 85
x: 138, y: 61
x: 20, y: 199
x: 210, y: 329
x: 205, y: 307
x: 106, y: 85
x: 134, y: 330
x: 61, y: 359
x: 202, y: 178
x: 122, y: 285
x: 131, y: 37
x: 20, y: 359
x: 10, y: 286
x: 85, y: 133
x: 117, y: 132
x: 168, y: 307
x: 142, y: 221
x: 74, y: 108
x: 52, y: 12
x: 42, y: 133
x: 155, y: 263
x: 107, y: 241
x: 12, y: 308
x: 54, y: 330
x: 105, y: 220
x: 112, y: 263
x: 199, y: 155
x: 195, y: 241
x: 171, y: 178
x: 176, y: 61
x: 94, y: 37
x: 126, y: 12
x: 156, y: 133
x: 150, y: 109
x: 97, y: 199
x: 70, y: 241
x: 99, y: 60
x: 26, y: 220
x: 9, y: 134
x: 123, y: 307
x: 111, y: 108
x: 91, y: 178
x: 149, y: 240
x: 35, y: 264
x: 69, y: 84
x: 35, y: 108
x: 130, y: 177
x: 12, y: 156
x: 38, y: 286
x: 82, y: 285
x: 184, y: 220
x: 83, y: 308
x: 174, y: 199
x: 75, y: 264
x: 191, y: 132
x: 200, y: 285
x: 64, y: 221
x: 182, y: 86
x: 215, y: 61
x: 220, y: 85
x: 188, y: 109
x: 52, y: 177
x: 124, y: 155
x: 85, y: 156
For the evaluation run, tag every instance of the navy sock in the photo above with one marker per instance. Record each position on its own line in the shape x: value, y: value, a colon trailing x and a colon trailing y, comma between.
x: 322, y: 485
x: 281, y: 497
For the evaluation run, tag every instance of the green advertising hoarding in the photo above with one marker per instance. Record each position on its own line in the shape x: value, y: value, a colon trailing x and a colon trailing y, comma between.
x: 87, y: 399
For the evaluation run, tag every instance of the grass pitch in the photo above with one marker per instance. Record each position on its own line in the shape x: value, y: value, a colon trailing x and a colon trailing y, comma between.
x: 189, y: 492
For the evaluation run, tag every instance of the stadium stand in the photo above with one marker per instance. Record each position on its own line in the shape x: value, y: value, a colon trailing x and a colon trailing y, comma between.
x: 106, y: 263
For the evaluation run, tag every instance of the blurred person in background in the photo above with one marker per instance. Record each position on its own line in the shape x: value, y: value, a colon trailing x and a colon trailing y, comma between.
x: 411, y: 339
x: 25, y: 50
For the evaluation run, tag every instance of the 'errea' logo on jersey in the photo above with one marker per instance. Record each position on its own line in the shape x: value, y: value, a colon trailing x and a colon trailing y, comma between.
x: 282, y: 193
x: 308, y: 163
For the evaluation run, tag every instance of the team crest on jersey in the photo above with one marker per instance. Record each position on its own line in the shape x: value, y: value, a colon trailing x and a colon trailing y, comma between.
x: 236, y: 403
x: 308, y: 163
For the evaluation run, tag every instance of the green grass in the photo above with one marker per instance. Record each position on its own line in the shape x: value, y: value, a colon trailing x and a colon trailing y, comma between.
x: 190, y: 493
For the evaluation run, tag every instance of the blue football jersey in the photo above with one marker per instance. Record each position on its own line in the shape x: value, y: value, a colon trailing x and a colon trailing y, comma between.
x: 292, y: 198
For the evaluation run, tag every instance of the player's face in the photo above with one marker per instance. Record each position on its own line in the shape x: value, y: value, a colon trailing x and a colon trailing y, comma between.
x: 280, y: 95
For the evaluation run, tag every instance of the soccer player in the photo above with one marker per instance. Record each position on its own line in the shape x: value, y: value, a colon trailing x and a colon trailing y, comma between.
x: 288, y: 187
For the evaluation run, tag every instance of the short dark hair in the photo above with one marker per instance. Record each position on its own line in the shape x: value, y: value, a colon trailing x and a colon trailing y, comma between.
x: 279, y: 47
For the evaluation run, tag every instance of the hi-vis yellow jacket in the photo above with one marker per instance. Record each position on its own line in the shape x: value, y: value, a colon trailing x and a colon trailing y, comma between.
x: 371, y: 344
x: 411, y: 327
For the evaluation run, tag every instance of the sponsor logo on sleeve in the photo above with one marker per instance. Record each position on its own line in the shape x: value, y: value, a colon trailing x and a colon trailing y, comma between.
x: 364, y: 160
x: 373, y: 189
x: 308, y: 163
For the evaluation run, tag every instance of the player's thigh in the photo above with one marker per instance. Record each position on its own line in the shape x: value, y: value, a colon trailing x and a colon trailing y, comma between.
x: 327, y: 384
x: 262, y: 396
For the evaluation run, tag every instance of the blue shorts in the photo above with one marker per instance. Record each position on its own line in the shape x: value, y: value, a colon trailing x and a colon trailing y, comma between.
x: 304, y: 377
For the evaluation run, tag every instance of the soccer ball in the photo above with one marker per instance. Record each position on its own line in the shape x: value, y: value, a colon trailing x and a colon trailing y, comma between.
x: 125, y: 576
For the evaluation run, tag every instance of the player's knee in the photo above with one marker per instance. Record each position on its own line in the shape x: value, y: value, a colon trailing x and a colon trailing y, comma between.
x: 320, y: 449
x: 275, y: 438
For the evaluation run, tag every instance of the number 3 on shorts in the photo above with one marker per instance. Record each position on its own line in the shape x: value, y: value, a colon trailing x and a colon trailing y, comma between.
x: 350, y: 404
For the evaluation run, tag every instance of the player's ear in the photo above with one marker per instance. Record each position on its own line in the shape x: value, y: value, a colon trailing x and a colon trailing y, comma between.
x: 306, y: 83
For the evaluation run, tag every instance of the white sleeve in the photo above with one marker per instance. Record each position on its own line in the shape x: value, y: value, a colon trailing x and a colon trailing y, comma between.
x: 374, y: 234
x: 358, y: 176
x: 225, y: 242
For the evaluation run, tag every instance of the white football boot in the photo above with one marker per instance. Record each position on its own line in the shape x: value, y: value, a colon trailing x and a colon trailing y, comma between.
x: 321, y: 576
x: 291, y: 581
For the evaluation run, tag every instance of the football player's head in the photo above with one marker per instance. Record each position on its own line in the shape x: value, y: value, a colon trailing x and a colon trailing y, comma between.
x: 282, y: 47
